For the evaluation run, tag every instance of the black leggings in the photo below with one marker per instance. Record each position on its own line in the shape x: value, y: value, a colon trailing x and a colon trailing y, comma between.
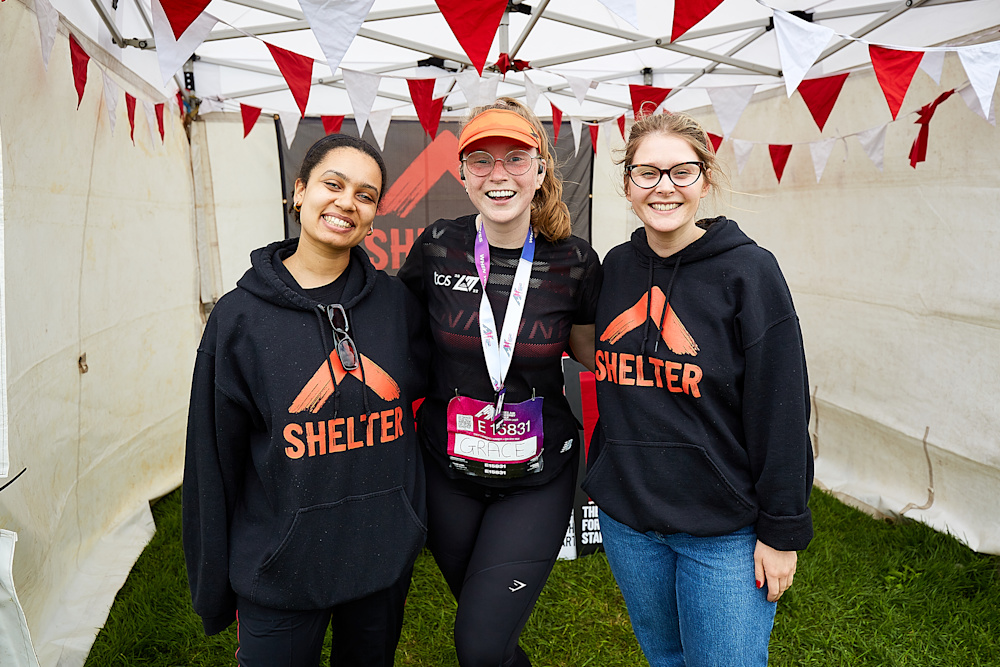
x: 495, y: 548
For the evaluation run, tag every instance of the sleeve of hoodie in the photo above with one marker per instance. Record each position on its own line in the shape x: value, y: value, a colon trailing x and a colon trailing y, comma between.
x: 776, y: 410
x: 217, y: 437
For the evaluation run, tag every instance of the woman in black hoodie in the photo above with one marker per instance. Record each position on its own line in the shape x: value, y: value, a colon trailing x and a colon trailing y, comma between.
x: 701, y: 462
x: 303, y: 483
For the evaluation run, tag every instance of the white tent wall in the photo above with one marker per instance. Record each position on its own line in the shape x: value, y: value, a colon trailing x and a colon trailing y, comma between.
x: 246, y: 184
x: 100, y: 259
x: 896, y: 283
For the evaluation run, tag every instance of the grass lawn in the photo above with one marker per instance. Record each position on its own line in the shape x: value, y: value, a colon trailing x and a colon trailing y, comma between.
x: 866, y: 593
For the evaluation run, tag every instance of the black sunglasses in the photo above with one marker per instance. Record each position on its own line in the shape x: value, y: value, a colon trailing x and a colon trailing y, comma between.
x: 346, y: 349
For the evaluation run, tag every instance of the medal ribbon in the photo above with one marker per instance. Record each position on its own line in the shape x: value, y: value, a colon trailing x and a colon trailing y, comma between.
x: 499, y: 353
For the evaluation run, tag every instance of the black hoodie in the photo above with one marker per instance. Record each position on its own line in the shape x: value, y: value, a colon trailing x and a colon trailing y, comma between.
x: 299, y: 493
x: 704, y: 405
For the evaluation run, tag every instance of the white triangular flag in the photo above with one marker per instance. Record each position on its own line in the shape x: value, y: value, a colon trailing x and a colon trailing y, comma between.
x: 933, y: 63
x: 48, y: 22
x: 799, y: 45
x: 488, y: 89
x: 468, y: 81
x: 612, y: 135
x: 580, y: 86
x: 362, y: 89
x: 110, y: 99
x: 820, y: 151
x: 289, y: 125
x: 982, y: 66
x: 335, y: 24
x: 729, y: 103
x: 968, y: 94
x: 378, y: 121
x: 624, y: 9
x: 150, y: 113
x: 173, y: 53
x: 577, y: 126
x: 873, y: 141
x: 742, y: 150
x: 531, y: 92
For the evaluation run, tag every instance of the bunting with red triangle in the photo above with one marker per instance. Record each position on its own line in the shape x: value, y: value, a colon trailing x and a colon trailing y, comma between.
x: 297, y: 71
x: 820, y: 95
x: 642, y: 95
x: 428, y: 108
x: 894, y: 70
x: 474, y: 25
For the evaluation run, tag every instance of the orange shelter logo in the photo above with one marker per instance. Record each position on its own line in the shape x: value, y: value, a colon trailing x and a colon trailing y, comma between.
x: 644, y: 371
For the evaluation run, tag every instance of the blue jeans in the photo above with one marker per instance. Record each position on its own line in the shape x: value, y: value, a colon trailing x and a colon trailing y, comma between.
x: 693, y: 601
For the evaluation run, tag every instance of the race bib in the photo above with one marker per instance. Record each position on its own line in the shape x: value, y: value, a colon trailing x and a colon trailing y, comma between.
x: 510, y: 447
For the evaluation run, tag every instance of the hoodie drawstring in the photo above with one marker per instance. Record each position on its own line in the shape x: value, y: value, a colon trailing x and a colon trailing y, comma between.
x: 649, y: 307
x: 336, y: 387
x: 666, y: 301
x: 320, y: 313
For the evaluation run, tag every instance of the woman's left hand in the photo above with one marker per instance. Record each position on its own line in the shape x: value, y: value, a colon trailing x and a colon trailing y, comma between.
x: 775, y: 568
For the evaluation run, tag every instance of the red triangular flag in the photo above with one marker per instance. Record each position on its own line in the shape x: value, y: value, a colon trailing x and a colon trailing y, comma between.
x: 80, y: 60
x: 250, y: 115
x: 716, y: 141
x: 130, y: 106
x: 821, y: 94
x: 642, y: 96
x: 332, y: 124
x: 621, y: 125
x: 297, y: 70
x: 428, y: 108
x: 158, y: 108
x: 474, y: 24
x: 556, y: 123
x: 894, y: 70
x: 502, y: 64
x: 688, y: 12
x: 182, y: 13
x: 779, y: 156
x: 180, y: 102
x: 594, y: 127
x: 918, y: 152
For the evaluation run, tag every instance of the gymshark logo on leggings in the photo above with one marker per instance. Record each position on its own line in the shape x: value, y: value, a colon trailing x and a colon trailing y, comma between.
x: 518, y: 585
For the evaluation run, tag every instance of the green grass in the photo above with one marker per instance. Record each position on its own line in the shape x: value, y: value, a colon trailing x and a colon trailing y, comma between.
x: 866, y: 592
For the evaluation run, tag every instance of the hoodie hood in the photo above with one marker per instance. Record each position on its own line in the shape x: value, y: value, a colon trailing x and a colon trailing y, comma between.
x: 721, y: 235
x: 263, y: 281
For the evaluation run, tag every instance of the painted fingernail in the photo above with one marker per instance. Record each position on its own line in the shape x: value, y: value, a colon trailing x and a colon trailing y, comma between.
x: 759, y: 584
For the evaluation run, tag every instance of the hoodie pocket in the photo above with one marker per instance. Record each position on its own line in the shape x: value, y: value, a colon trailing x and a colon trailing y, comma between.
x: 667, y: 487
x: 341, y: 551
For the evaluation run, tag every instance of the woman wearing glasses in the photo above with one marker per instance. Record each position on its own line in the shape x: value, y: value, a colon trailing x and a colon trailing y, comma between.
x: 700, y: 462
x: 499, y: 434
x: 303, y: 482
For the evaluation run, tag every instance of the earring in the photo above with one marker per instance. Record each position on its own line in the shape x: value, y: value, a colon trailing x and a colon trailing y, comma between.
x: 371, y: 230
x: 297, y: 206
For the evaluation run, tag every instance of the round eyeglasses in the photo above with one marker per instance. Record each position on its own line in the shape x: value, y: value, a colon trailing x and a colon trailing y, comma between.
x: 516, y: 162
x: 647, y: 176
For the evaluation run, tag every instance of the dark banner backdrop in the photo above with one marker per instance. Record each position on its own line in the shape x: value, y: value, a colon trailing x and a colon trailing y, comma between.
x: 424, y: 184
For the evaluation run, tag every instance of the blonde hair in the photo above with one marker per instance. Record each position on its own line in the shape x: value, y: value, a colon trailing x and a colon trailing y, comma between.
x: 680, y: 125
x: 549, y: 215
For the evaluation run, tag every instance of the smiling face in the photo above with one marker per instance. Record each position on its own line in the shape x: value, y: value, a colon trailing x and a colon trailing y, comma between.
x: 339, y: 201
x: 503, y: 199
x: 668, y: 212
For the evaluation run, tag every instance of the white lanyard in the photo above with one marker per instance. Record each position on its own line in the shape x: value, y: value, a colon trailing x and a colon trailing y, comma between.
x: 499, y: 356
